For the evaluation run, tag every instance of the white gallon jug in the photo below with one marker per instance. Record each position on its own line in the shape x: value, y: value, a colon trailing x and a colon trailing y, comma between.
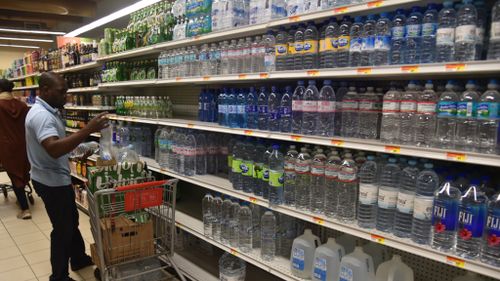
x: 303, y: 249
x: 394, y: 270
x: 356, y: 266
x: 327, y: 261
x: 348, y: 242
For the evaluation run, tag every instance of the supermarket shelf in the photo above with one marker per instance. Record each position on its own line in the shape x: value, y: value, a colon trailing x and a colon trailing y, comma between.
x: 82, y: 208
x: 78, y: 177
x: 214, y: 78
x: 24, y: 76
x: 192, y: 270
x: 25, y: 88
x: 350, y: 143
x: 222, y: 185
x: 133, y: 83
x: 129, y: 54
x: 79, y: 67
x: 90, y: 108
x: 73, y: 130
x: 84, y: 90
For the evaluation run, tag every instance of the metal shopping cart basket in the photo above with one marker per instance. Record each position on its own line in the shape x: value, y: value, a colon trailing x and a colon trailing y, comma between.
x: 133, y: 224
x: 5, y: 189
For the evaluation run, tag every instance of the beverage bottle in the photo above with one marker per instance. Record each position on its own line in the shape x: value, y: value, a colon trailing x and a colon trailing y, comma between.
x: 488, y: 119
x: 389, y: 128
x: 398, y: 44
x: 278, y: 9
x: 204, y: 60
x: 357, y: 266
x: 298, y: 44
x: 388, y: 195
x: 217, y: 14
x: 382, y: 47
x: 247, y: 58
x: 206, y: 206
x: 427, y: 183
x: 471, y: 221
x: 369, y: 115
x: 232, y: 108
x: 238, y: 154
x: 268, y: 236
x: 216, y: 212
x: 447, y: 200
x: 494, y: 42
x: 227, y: 207
x: 239, y: 55
x: 368, y: 193
x: 247, y: 166
x: 251, y: 108
x: 413, y: 36
x: 215, y: 59
x: 256, y: 217
x: 490, y: 251
x: 297, y: 107
x: 189, y: 158
x: 344, y: 42
x: 395, y: 268
x: 310, y: 53
x: 322, y: 44
x: 290, y: 57
x: 310, y: 108
x: 339, y: 97
x: 406, y: 197
x: 445, y: 34
x: 302, y: 179
x: 255, y: 55
x: 212, y: 154
x: 446, y: 117
x: 234, y: 231
x: 327, y: 261
x: 425, y: 118
x: 245, y: 226
x: 200, y: 154
x: 303, y: 250
x: 273, y: 109
x: 232, y: 57
x: 231, y: 267
x: 482, y: 18
x: 269, y: 55
x: 408, y: 109
x: 276, y: 176
x: 240, y: 108
x: 325, y: 123
x: 331, y: 43
x: 222, y: 108
x: 294, y: 7
x: 281, y: 49
x: 356, y: 43
x: 285, y: 111
x: 258, y: 169
x: 466, y: 132
x: 290, y: 176
x: 465, y: 33
x: 266, y: 172
x: 224, y: 57
x: 368, y: 45
x: 429, y: 28
x: 350, y: 114
x: 318, y: 163
x: 287, y: 232
x: 262, y: 106
x: 347, y: 188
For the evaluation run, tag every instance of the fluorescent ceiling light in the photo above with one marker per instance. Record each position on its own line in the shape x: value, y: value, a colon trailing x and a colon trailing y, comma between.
x: 19, y: 46
x: 111, y: 17
x: 31, y: 31
x: 26, y: 39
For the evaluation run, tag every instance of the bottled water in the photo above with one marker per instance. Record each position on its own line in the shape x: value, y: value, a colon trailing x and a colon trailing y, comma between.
x: 447, y: 200
x: 350, y: 114
x: 446, y: 117
x: 398, y: 31
x: 356, y: 44
x: 465, y: 33
x: 297, y: 107
x: 325, y: 123
x: 232, y: 57
x: 445, y: 34
x: 488, y: 119
x: 332, y: 168
x: 317, y: 204
x: 382, y: 48
x: 232, y: 111
x: 206, y: 206
x: 217, y: 14
x: 490, y: 253
x: 310, y: 108
x: 285, y: 111
x: 425, y: 118
x: 281, y: 49
x: 413, y: 36
x: 327, y: 261
x: 262, y: 104
x: 204, y: 60
x: 303, y: 250
x: 266, y: 172
x: 239, y: 55
x: 268, y: 236
x: 257, y: 55
x: 298, y: 44
x: 189, y: 154
x: 369, y: 115
x: 234, y: 223
x: 331, y: 43
x: 247, y: 55
x: 357, y: 266
x: 276, y: 176
x: 290, y: 176
x: 238, y: 154
x: 258, y: 169
x: 294, y: 7
x: 290, y: 57
x: 388, y: 195
x: 256, y: 217
x: 471, y: 221
x: 224, y: 57
x: 347, y: 188
x: 216, y: 215
x: 429, y: 29
x: 406, y: 197
x: 427, y: 183
x: 231, y: 268
x: 227, y: 208
x: 368, y: 45
x: 394, y: 269
x: 278, y: 9
x: 344, y: 42
x: 245, y: 227
x: 368, y: 193
x: 302, y: 179
x: 200, y: 154
x: 247, y: 166
x: 251, y: 108
x: 269, y: 56
x: 273, y: 109
x: 466, y: 132
x: 408, y: 109
x: 389, y: 128
x: 310, y: 54
x: 494, y: 43
x: 339, y: 97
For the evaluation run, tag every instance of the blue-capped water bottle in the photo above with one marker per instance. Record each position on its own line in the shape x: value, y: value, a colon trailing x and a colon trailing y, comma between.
x: 445, y: 216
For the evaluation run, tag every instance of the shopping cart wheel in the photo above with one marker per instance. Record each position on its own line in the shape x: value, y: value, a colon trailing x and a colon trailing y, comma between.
x: 97, y: 273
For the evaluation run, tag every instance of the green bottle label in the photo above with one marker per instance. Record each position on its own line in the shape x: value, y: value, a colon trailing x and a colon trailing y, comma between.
x: 237, y: 166
x: 258, y: 172
x: 276, y: 178
x: 265, y: 173
x: 247, y: 168
x: 230, y: 161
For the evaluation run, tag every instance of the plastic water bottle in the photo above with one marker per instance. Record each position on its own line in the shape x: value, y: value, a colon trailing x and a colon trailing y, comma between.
x: 327, y: 261
x: 369, y: 115
x: 331, y: 44
x: 285, y: 111
x: 273, y: 110
x: 368, y: 45
x: 382, y: 48
x: 206, y: 205
x: 216, y: 212
x: 482, y: 17
x: 429, y: 29
x: 344, y: 42
x: 290, y: 176
x: 297, y: 107
x: 398, y: 31
x: 488, y: 119
x: 368, y: 193
x: 251, y: 109
x: 325, y: 123
x: 310, y: 108
x: 413, y: 36
x: 234, y: 223
x: 466, y: 132
x: 290, y: 57
x: 406, y: 197
x: 238, y: 154
x: 447, y: 200
x: 310, y: 54
x: 227, y: 207
x: 258, y: 169
x: 347, y: 188
x: 245, y: 227
x: 339, y: 97
x: 446, y: 118
x: 270, y: 55
x: 268, y: 236
x: 231, y: 268
x: 357, y: 266
x: 356, y: 44
x: 394, y: 269
x: 241, y: 99
x: 262, y: 107
x: 425, y: 118
x: 298, y: 44
x: 490, y: 251
x: 427, y: 183
x: 389, y: 128
x: 281, y: 49
x: 302, y: 256
x: 465, y: 33
x: 445, y: 34
x: 388, y: 195
x: 408, y: 109
x: 317, y: 204
x: 332, y: 168
x: 232, y: 109
x: 471, y: 221
x: 222, y: 108
x: 494, y: 43
x: 294, y: 7
x: 247, y: 166
x: 302, y: 179
x: 276, y: 176
x: 189, y: 154
x: 350, y: 114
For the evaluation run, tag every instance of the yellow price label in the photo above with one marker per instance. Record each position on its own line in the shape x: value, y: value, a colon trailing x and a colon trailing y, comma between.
x: 197, y: 37
x: 340, y: 10
x: 377, y: 238
x: 248, y: 132
x: 410, y: 69
x: 294, y: 18
x: 392, y: 149
x: 338, y: 142
x: 364, y: 70
x: 190, y: 125
x: 295, y: 138
x: 178, y: 78
x: 206, y: 78
x: 264, y: 75
x: 242, y: 76
x: 312, y: 73
x: 375, y: 4
x: 318, y: 220
x: 252, y: 199
x: 234, y: 252
x: 455, y: 67
x: 456, y: 156
x: 455, y: 262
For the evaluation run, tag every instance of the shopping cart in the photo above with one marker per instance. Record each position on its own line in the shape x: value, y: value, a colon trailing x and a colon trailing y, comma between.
x: 5, y: 189
x: 133, y: 224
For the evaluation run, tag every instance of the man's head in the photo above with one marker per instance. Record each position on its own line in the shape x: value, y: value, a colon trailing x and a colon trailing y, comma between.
x: 6, y: 85
x: 53, y: 89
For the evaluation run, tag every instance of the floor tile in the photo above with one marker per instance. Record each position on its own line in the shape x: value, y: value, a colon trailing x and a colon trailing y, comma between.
x: 23, y: 229
x: 29, y: 238
x: 20, y: 274
x: 12, y: 263
x: 6, y: 242
x: 34, y: 246
x: 44, y: 277
x: 41, y: 269
x: 44, y: 225
x: 87, y: 272
x: 76, y: 276
x: 39, y: 256
x: 9, y: 252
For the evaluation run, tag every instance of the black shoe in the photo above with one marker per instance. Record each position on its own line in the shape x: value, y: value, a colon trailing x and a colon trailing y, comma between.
x: 86, y: 261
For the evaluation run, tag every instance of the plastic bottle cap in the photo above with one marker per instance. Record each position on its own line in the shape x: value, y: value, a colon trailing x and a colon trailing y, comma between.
x: 327, y: 82
x: 276, y: 146
x: 370, y: 157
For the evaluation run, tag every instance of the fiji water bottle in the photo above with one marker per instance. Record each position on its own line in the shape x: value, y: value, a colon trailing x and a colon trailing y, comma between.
x: 445, y: 216
x: 490, y: 252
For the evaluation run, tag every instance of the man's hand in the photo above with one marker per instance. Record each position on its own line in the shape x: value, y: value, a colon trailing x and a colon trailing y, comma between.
x: 97, y: 123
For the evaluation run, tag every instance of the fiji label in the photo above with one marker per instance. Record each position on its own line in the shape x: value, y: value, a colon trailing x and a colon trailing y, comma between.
x: 346, y: 274
x: 276, y: 178
x: 493, y: 228
x: 445, y: 215
x: 298, y: 257
x: 319, y: 272
x: 471, y: 220
x: 368, y: 193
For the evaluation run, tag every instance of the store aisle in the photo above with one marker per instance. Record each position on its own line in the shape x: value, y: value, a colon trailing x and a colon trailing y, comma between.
x: 25, y: 244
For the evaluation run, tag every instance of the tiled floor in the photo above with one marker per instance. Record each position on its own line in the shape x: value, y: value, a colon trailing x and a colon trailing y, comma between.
x: 25, y: 244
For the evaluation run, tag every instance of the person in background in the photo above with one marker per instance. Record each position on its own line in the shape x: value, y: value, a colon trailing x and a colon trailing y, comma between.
x: 13, y: 144
x: 48, y: 148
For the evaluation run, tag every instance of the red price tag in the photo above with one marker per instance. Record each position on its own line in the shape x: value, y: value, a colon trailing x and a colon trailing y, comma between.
x: 296, y: 138
x: 338, y: 142
x: 248, y: 132
x: 341, y: 10
x: 455, y: 262
x: 252, y: 199
x: 178, y: 78
x: 365, y: 70
x: 206, y: 78
x: 377, y: 238
x: 456, y: 156
x: 455, y: 67
x: 318, y: 220
x: 392, y: 149
x: 264, y: 75
x: 190, y: 125
x: 375, y: 4
x: 312, y: 73
x: 410, y: 69
x: 242, y: 76
x: 294, y: 18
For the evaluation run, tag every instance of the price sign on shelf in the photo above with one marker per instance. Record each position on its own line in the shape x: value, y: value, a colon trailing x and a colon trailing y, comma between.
x: 264, y: 75
x: 409, y: 69
x: 455, y: 67
x: 375, y: 4
x: 337, y: 142
x: 455, y: 261
x: 318, y: 220
x: 456, y: 156
x: 312, y: 73
x: 178, y: 78
x: 206, y: 78
x: 189, y: 125
x: 242, y: 76
x: 364, y: 70
x: 234, y: 252
x: 392, y: 149
x: 296, y: 138
x: 248, y: 132
x: 252, y: 199
x: 340, y: 10
x: 377, y: 238
x: 294, y: 18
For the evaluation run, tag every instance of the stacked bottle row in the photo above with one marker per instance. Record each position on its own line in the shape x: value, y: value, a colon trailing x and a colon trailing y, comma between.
x: 116, y: 71
x: 144, y: 106
x: 136, y: 138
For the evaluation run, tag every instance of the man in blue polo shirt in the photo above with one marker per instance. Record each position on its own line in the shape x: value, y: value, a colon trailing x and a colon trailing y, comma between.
x: 48, y: 149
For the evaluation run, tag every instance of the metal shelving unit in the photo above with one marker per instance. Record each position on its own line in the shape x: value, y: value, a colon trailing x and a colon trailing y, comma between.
x: 90, y: 108
x: 84, y: 90
x: 85, y: 66
x: 24, y: 76
x: 73, y: 130
x: 25, y: 88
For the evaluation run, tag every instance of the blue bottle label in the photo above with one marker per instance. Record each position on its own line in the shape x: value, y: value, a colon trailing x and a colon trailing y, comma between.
x: 250, y: 108
x: 262, y: 108
x: 447, y: 108
x: 487, y: 110
x: 319, y: 269
x: 413, y: 30
x: 429, y: 29
x: 298, y: 257
x: 493, y: 228
x: 444, y: 216
x: 398, y: 32
x: 285, y: 111
x: 274, y: 115
x: 466, y: 109
x: 383, y: 42
x: 356, y: 44
x: 346, y: 274
x: 368, y: 43
x: 471, y: 221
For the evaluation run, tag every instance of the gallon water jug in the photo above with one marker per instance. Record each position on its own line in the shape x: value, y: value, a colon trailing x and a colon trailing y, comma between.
x: 357, y: 266
x: 303, y: 250
x: 378, y: 253
x: 348, y: 242
x: 469, y: 276
x: 394, y: 270
x: 327, y: 261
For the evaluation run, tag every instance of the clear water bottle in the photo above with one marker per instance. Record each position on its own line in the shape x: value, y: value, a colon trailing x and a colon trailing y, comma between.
x: 251, y: 109
x: 189, y: 153
x: 331, y: 43
x: 200, y: 153
x: 389, y: 128
x: 237, y: 159
x: 297, y: 107
x: 356, y: 43
x: 494, y: 43
x: 302, y: 179
x: 233, y: 222
x: 245, y: 226
x: 310, y: 53
x: 298, y: 45
x: 285, y: 111
x: 231, y: 268
x: 273, y: 110
x: 445, y: 34
x: 290, y: 57
x: 232, y: 110
x: 257, y: 60
x: 388, y: 195
x: 216, y: 212
x: 339, y: 97
x: 429, y: 29
x: 382, y: 49
x: 206, y: 206
x: 447, y: 200
x: 344, y: 42
x: 490, y: 251
x: 369, y: 115
x: 398, y: 44
x: 446, y: 117
x: 368, y: 193
x: 247, y: 166
x: 408, y: 109
x: 227, y: 208
x: 258, y: 169
x: 310, y: 108
x: 318, y: 163
x: 290, y: 176
x: 262, y: 107
x: 350, y: 113
x: 368, y: 46
x: 268, y: 236
x: 471, y: 221
x: 281, y: 49
x: 325, y: 123
x: 488, y: 119
x: 276, y: 176
x: 347, y: 188
x: 425, y: 118
x: 256, y: 217
x: 413, y: 36
x: 294, y: 7
x: 465, y: 33
x: 427, y: 183
x: 406, y: 197
x: 466, y: 132
x: 266, y: 172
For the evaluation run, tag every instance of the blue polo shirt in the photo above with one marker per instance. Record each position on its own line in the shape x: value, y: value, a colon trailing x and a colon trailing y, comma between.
x: 42, y: 122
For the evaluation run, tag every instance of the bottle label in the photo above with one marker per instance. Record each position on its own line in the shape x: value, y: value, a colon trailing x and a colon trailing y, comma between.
x: 236, y: 166
x: 269, y: 59
x: 368, y: 193
x: 318, y: 170
x: 367, y: 105
x: 398, y: 32
x: 391, y: 106
x: 330, y: 43
x: 297, y: 105
x: 344, y: 42
x: 290, y: 165
x: 445, y: 36
x: 240, y: 109
x: 281, y: 49
x: 309, y: 106
x: 466, y: 109
x: 258, y: 172
x: 310, y: 46
x: 346, y: 274
x: 299, y: 47
x: 447, y: 108
x: 466, y: 33
x: 189, y: 151
x: 291, y: 48
x: 321, y: 45
x: 471, y: 220
x: 251, y: 108
x: 276, y: 178
x: 265, y: 173
x: 350, y: 105
x: 347, y: 175
x: 319, y: 269
x: 387, y: 198
x: 298, y: 256
x: 495, y: 30
x: 422, y: 208
x: 444, y: 215
x: 487, y: 110
x: 429, y: 29
x: 302, y: 168
x: 230, y: 161
x: 413, y: 30
x: 326, y: 106
x: 274, y: 115
x: 285, y: 111
x: 331, y: 172
x: 356, y: 45
x: 231, y: 109
x: 493, y: 228
x: 246, y: 168
x: 408, y: 106
x: 262, y: 108
x: 425, y: 107
x: 383, y: 42
x: 368, y: 44
x: 405, y: 202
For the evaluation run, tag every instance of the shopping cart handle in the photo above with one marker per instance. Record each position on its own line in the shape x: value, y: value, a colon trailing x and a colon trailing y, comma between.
x: 141, y: 185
